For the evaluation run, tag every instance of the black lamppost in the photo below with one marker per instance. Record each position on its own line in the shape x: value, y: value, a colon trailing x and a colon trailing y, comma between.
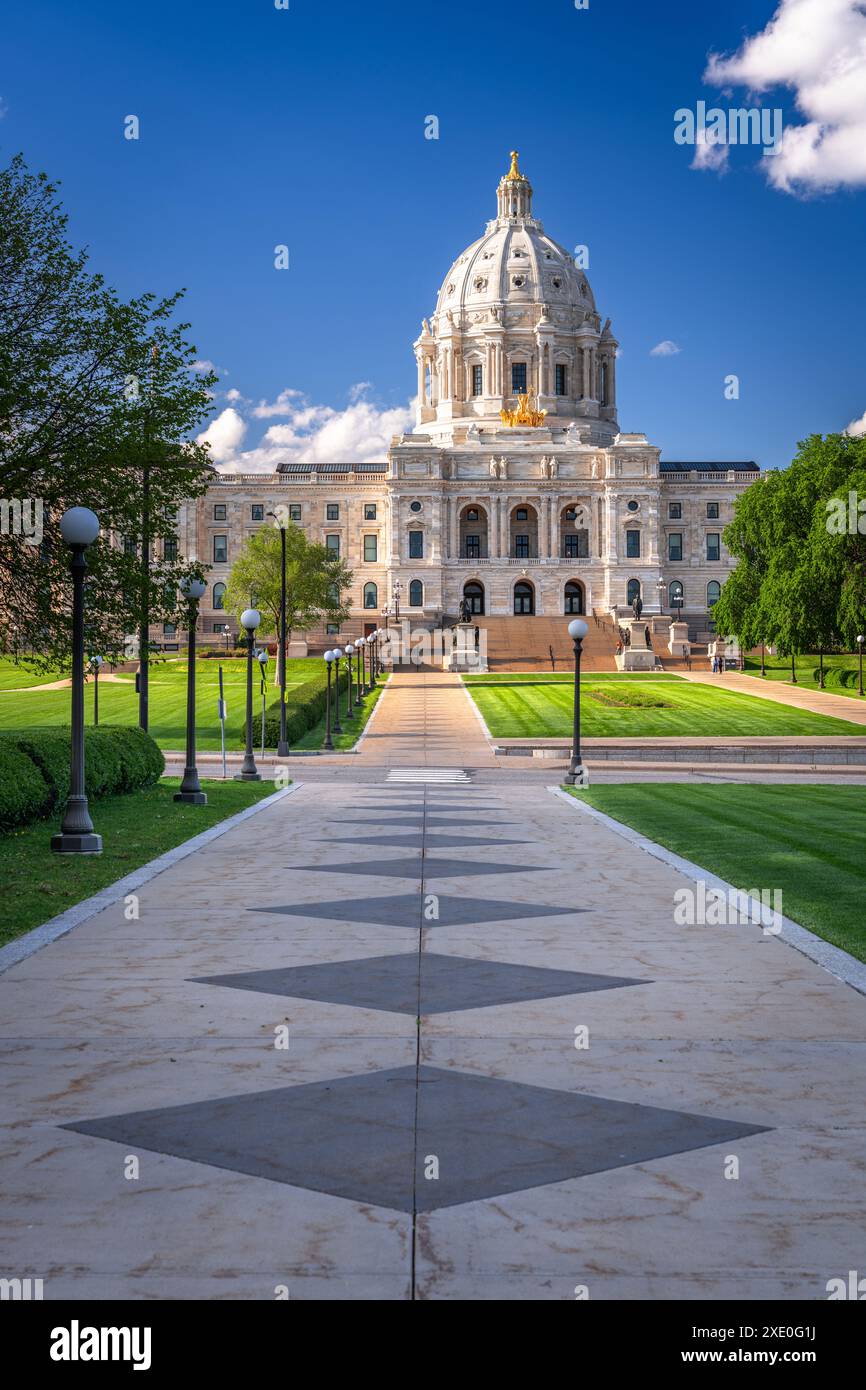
x: 95, y: 663
x: 79, y: 527
x: 369, y: 687
x: 662, y: 590
x: 226, y: 635
x: 576, y: 775
x: 250, y: 619
x: 190, y: 788
x: 386, y: 614
x: 350, y: 715
x: 282, y: 744
x: 398, y: 589
x: 330, y: 658
x: 371, y: 643
x: 860, y: 640
x: 359, y: 670
x: 335, y: 657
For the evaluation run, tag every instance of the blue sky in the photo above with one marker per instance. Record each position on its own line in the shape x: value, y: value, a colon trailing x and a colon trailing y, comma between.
x: 305, y: 126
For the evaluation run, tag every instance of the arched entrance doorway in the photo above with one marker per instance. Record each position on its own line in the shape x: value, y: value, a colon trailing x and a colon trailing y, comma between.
x: 473, y: 592
x: 524, y: 598
x: 574, y: 601
x: 632, y: 592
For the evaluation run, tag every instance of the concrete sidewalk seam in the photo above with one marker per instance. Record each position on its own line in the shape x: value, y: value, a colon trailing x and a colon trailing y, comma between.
x: 65, y: 922
x: 833, y: 959
x: 478, y: 715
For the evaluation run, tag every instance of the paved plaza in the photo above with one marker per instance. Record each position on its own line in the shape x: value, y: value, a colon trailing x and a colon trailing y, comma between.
x: 424, y: 1029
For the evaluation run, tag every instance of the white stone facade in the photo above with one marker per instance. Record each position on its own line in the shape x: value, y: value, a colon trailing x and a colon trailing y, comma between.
x: 551, y: 518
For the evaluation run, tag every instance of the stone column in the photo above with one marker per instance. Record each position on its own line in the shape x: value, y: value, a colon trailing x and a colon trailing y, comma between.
x: 554, y: 526
x: 543, y: 526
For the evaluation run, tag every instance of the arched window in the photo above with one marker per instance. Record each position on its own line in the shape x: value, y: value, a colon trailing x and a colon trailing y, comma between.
x: 573, y: 597
x: 474, y: 595
x: 371, y: 595
x: 218, y: 595
x: 524, y: 598
x: 416, y: 594
x: 633, y: 591
x: 714, y: 593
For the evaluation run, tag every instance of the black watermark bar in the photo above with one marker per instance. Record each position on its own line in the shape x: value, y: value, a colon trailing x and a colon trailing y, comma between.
x: 146, y: 1338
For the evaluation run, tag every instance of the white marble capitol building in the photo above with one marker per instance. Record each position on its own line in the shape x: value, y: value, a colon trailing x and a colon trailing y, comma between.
x: 516, y: 489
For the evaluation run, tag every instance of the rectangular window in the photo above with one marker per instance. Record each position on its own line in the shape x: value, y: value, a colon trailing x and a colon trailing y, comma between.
x: 521, y: 547
x: 713, y: 546
x: 712, y: 511
x: 129, y: 546
x: 294, y: 511
x: 632, y: 545
x: 169, y: 550
x: 473, y: 547
x: 371, y: 549
x: 257, y: 511
x: 518, y: 378
x: 332, y: 544
x: 169, y: 630
x: 675, y: 511
x: 675, y: 545
x: 576, y: 545
x: 220, y: 550
x: 217, y: 627
x: 561, y: 380
x: 332, y: 629
x: 416, y: 545
x: 332, y: 511
x: 477, y: 381
x: 219, y: 511
x: 369, y: 511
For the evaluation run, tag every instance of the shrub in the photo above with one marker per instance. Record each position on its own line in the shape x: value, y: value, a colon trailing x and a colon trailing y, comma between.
x: 305, y: 706
x: 24, y: 793
x: 116, y: 760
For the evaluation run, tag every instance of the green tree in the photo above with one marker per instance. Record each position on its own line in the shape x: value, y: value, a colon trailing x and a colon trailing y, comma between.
x: 800, y: 578
x: 98, y: 403
x: 316, y: 581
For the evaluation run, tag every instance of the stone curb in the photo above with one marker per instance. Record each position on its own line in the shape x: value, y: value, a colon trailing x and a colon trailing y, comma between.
x: 64, y: 922
x: 831, y: 958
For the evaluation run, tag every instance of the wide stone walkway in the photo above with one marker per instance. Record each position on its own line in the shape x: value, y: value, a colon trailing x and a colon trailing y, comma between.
x: 385, y: 1041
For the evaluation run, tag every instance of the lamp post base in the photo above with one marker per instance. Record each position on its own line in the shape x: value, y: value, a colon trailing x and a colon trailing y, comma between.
x: 576, y: 777
x: 192, y: 798
x: 83, y: 843
x: 282, y: 750
x: 247, y: 777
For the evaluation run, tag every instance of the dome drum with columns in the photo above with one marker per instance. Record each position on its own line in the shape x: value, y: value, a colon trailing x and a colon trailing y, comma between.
x: 516, y: 491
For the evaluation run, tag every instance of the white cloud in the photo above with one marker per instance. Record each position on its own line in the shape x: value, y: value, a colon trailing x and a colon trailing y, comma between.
x: 307, y: 433
x: 710, y: 154
x: 857, y: 427
x: 283, y: 405
x: 666, y: 348
x: 223, y: 435
x: 818, y: 49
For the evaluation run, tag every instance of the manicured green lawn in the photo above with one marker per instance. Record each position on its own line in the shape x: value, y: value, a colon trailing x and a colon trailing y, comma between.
x: 315, y: 737
x: 533, y: 708
x: 118, y: 703
x: 135, y: 829
x: 810, y: 842
x: 841, y: 673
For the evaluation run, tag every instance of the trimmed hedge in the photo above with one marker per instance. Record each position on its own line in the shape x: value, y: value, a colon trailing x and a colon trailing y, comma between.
x: 34, y: 769
x: 305, y: 706
x: 24, y: 793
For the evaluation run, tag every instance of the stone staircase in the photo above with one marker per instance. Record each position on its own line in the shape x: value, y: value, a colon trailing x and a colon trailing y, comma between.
x: 525, y: 644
